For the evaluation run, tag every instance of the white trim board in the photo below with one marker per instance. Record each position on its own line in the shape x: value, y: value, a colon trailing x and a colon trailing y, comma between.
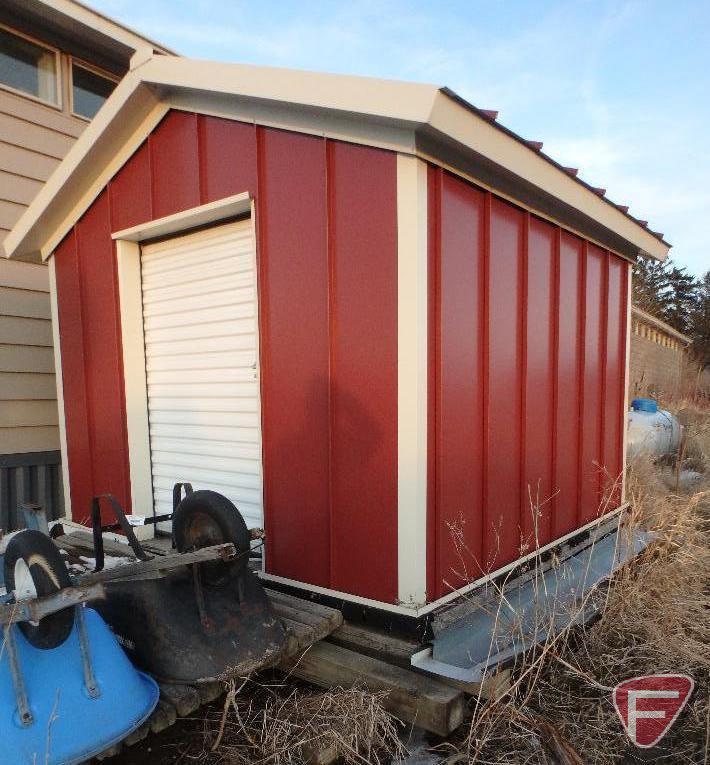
x: 417, y: 611
x: 412, y: 373
x: 212, y: 212
x: 56, y: 342
x: 128, y: 262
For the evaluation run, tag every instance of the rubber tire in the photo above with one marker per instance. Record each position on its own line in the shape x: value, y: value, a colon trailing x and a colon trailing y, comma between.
x: 223, y: 513
x: 49, y: 575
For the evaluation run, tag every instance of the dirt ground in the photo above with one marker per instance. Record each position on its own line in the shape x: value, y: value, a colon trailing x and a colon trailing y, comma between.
x: 655, y: 619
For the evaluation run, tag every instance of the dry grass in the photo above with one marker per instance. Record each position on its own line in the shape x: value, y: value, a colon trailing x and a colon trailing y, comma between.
x: 283, y: 725
x: 655, y: 618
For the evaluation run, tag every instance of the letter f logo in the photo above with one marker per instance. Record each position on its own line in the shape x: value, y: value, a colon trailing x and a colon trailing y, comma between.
x: 649, y: 705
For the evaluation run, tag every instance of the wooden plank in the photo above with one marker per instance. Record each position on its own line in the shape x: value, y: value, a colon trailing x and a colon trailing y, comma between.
x: 20, y: 386
x: 17, y: 414
x: 26, y: 358
x: 300, y: 636
x: 29, y: 439
x: 83, y: 543
x: 329, y: 621
x: 35, y: 138
x: 411, y: 697
x: 10, y: 213
x: 160, y: 563
x: 26, y: 162
x: 15, y: 188
x: 375, y: 643
x: 305, y: 604
x: 40, y: 114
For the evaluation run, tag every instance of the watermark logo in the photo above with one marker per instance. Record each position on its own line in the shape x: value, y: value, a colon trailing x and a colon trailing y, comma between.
x: 649, y: 705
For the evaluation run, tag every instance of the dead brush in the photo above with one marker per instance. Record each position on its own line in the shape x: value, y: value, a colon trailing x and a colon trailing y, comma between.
x: 291, y: 725
x: 655, y: 618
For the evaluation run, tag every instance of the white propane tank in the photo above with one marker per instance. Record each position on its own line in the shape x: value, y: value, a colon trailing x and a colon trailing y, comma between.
x: 652, y: 430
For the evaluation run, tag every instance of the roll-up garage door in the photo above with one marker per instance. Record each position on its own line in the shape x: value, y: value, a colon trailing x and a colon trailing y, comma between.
x: 202, y: 364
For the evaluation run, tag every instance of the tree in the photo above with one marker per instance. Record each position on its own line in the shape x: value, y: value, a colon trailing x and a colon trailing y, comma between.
x: 650, y: 284
x: 680, y: 299
x: 700, y: 322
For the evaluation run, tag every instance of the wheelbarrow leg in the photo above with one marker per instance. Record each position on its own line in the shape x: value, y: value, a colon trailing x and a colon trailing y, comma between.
x: 89, y: 678
x: 23, y: 706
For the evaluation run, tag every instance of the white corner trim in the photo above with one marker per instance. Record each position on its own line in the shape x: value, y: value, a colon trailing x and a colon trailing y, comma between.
x: 627, y: 379
x: 60, y: 178
x: 412, y: 342
x: 229, y: 207
x: 128, y: 259
x: 58, y: 373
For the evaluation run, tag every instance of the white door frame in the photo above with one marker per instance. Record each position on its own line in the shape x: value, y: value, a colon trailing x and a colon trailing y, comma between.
x: 128, y: 261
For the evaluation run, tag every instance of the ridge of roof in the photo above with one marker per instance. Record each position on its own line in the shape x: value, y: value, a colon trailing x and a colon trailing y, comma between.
x: 405, y: 109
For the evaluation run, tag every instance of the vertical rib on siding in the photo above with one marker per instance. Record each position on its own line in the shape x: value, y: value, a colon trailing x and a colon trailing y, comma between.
x: 456, y: 380
x: 550, y: 374
x: 501, y: 538
x: 295, y: 355
x: 539, y: 417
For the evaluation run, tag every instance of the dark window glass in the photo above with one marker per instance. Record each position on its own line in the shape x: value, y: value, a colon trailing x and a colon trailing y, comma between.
x: 89, y: 91
x: 28, y: 67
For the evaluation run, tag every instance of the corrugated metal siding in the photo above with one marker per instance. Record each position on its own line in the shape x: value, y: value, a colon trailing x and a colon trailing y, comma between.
x: 353, y: 445
x: 527, y: 354
x: 201, y: 345
x: 33, y: 477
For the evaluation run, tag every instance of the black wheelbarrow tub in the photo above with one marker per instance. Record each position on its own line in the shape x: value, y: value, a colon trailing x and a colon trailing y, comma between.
x: 167, y: 631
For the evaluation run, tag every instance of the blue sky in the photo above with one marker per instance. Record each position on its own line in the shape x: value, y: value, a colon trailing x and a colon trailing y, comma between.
x: 620, y: 90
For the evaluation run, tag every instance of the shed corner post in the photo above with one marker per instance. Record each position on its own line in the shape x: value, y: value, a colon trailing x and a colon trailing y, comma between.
x: 58, y: 376
x: 412, y: 363
x: 128, y: 266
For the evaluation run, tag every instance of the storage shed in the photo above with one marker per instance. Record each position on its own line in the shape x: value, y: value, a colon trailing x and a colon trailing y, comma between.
x: 393, y: 332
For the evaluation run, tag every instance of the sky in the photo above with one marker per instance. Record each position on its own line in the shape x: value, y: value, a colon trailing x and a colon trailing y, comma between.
x: 620, y: 90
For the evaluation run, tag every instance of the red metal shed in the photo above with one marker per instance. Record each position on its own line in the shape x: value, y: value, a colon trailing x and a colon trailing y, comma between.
x: 392, y: 331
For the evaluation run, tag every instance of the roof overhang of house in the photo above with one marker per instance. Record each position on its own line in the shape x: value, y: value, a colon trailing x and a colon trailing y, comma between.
x: 75, y: 21
x: 419, y: 119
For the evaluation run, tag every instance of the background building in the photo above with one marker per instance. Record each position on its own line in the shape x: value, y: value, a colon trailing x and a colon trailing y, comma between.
x: 58, y: 62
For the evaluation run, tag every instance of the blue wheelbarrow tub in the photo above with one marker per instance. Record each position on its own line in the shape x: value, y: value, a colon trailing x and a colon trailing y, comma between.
x: 68, y: 726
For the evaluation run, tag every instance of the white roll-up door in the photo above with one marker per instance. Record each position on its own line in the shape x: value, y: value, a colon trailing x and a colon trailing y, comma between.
x: 201, y: 350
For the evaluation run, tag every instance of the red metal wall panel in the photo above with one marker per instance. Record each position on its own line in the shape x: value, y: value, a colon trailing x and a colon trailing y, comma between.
x: 550, y: 376
x: 295, y: 355
x: 503, y: 491
x: 457, y: 284
x: 73, y: 372
x: 614, y: 394
x: 540, y: 329
x: 569, y: 349
x: 362, y: 197
x: 227, y: 158
x: 592, y: 383
x: 129, y: 192
x: 103, y: 353
x: 175, y: 164
x: 327, y: 254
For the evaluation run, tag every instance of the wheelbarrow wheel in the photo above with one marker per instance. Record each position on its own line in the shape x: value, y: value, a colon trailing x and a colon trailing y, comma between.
x: 34, y: 567
x: 205, y: 518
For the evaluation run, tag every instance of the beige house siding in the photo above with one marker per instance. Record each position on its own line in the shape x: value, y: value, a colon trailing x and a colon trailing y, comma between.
x: 28, y: 398
x: 33, y: 139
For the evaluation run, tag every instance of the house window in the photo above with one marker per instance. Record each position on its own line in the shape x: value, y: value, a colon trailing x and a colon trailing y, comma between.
x: 89, y: 90
x: 28, y: 68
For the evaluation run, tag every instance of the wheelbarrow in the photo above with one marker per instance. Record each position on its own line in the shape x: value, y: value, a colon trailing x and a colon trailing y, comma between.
x: 67, y: 690
x: 195, y: 615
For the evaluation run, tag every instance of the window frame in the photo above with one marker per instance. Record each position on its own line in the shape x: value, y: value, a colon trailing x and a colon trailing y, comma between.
x: 59, y: 103
x: 74, y: 61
